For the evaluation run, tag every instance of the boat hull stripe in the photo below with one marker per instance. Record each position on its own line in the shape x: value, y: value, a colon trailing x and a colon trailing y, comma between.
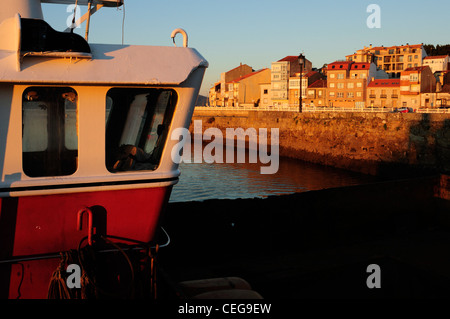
x: 81, y: 185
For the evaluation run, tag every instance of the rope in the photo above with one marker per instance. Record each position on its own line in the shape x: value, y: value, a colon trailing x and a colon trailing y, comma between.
x: 95, y: 268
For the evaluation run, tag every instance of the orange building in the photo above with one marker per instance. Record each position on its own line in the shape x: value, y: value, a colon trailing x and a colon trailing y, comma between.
x: 383, y: 93
x: 418, y: 87
x: 347, y: 83
x: 316, y: 94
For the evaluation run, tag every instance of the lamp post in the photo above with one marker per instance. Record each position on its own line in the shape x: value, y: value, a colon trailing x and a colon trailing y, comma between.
x: 301, y: 62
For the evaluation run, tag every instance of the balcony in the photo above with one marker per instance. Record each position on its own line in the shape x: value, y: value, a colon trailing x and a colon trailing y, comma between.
x: 394, y: 96
x: 372, y: 96
x: 383, y: 96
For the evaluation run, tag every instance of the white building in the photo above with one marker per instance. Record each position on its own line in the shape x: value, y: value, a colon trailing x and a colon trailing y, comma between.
x: 437, y: 63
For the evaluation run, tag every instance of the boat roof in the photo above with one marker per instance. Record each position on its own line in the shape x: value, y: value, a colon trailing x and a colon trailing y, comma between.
x: 107, y: 64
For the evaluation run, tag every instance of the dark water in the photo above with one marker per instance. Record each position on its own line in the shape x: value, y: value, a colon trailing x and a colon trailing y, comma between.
x: 204, y: 181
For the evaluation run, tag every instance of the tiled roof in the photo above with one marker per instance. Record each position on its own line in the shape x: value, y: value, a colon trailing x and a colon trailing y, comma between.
x: 318, y: 84
x: 412, y: 46
x: 360, y: 66
x: 384, y: 83
x: 339, y: 65
x: 247, y: 76
x: 289, y: 58
x: 435, y: 57
x: 416, y: 68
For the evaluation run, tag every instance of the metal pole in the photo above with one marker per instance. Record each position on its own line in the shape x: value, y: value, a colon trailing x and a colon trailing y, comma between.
x: 300, y: 90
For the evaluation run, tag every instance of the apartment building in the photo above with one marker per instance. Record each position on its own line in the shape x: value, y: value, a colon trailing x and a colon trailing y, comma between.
x: 347, y: 83
x: 418, y: 87
x: 218, y: 94
x: 393, y: 60
x: 383, y: 93
x: 246, y: 90
x: 282, y: 70
x: 294, y: 86
x: 316, y: 94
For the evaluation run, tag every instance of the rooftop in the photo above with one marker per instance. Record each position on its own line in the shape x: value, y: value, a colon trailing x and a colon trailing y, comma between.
x: 318, y: 84
x: 289, y: 58
x: 435, y: 57
x: 384, y: 83
x: 247, y: 76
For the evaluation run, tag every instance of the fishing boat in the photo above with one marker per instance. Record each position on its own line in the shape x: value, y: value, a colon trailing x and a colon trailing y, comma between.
x: 85, y: 140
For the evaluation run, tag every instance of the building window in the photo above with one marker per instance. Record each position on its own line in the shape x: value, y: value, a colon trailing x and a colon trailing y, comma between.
x: 49, y: 131
x: 332, y: 76
x: 266, y: 91
x: 350, y: 95
x: 350, y: 85
x: 340, y: 85
x: 359, y: 84
x: 137, y: 125
x: 331, y: 85
x: 332, y: 94
x: 340, y: 76
x: 340, y: 94
x: 359, y: 94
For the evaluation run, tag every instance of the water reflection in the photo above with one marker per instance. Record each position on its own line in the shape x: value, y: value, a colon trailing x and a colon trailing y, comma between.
x: 201, y: 181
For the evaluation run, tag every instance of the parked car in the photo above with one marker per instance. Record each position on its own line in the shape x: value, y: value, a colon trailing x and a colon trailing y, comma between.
x: 404, y: 110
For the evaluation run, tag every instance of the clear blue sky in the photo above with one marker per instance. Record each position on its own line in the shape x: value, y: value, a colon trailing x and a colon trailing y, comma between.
x: 258, y: 32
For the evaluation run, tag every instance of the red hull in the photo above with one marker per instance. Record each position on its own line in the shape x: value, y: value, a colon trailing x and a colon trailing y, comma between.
x: 48, y: 224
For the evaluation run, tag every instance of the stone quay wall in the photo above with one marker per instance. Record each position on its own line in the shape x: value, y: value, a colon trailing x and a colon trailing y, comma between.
x: 370, y: 143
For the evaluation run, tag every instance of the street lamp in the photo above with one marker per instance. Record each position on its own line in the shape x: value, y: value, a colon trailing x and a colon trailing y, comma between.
x: 301, y: 62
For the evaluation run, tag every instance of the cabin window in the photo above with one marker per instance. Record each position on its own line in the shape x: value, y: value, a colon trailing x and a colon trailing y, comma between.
x: 49, y: 131
x: 137, y: 125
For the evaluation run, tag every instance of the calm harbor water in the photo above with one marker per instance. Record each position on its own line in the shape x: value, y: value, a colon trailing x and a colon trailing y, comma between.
x: 202, y: 181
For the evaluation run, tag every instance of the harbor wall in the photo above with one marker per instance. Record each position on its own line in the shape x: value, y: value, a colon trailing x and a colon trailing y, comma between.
x: 370, y: 143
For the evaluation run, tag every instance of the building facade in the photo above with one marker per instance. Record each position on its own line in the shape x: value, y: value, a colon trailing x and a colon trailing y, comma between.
x: 347, y: 83
x: 393, y: 60
x: 316, y: 94
x: 294, y: 86
x: 417, y: 86
x: 219, y: 95
x: 383, y: 93
x: 282, y: 70
x: 437, y: 63
x: 246, y: 90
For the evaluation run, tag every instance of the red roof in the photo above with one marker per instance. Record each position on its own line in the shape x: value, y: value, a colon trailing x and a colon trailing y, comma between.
x: 247, y: 76
x: 384, y: 83
x: 413, y: 46
x: 360, y: 66
x: 318, y: 84
x: 339, y: 65
x: 289, y: 58
x: 435, y: 57
x: 416, y: 69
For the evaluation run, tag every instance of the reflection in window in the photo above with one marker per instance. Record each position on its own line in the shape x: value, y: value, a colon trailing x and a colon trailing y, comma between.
x: 49, y: 131
x: 137, y: 124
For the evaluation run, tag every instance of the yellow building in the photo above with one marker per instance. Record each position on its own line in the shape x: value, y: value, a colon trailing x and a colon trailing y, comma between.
x: 246, y: 90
